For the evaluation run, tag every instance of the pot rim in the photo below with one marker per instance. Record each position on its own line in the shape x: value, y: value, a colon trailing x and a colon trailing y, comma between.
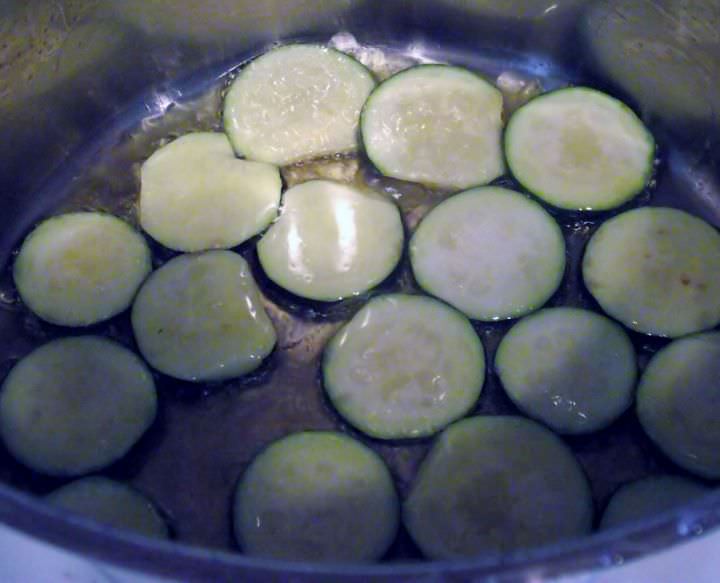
x: 38, y: 519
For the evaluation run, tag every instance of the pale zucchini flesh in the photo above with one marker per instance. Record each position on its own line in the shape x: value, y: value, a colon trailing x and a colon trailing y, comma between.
x: 491, y: 252
x: 678, y: 403
x: 404, y: 367
x: 437, y: 125
x: 492, y: 485
x: 111, y: 503
x: 76, y: 405
x: 200, y: 318
x: 579, y: 149
x: 316, y: 496
x: 296, y: 102
x: 657, y: 270
x: 649, y: 496
x: 572, y: 369
x: 332, y: 240
x: 196, y: 195
x: 79, y: 269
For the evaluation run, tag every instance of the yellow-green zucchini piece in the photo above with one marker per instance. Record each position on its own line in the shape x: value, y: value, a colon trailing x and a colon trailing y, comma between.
x: 405, y: 366
x: 79, y: 269
x: 111, y: 503
x: 316, y: 496
x: 492, y: 485
x: 579, y: 149
x: 332, y: 240
x: 572, y: 369
x: 200, y: 318
x: 296, y: 102
x: 657, y: 270
x: 437, y: 125
x: 196, y: 195
x: 76, y: 405
x: 491, y: 252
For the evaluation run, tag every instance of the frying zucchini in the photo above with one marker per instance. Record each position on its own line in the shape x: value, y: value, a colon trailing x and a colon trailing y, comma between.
x: 112, y: 503
x: 78, y: 269
x: 572, y: 369
x: 196, y: 195
x: 404, y: 367
x: 296, y: 102
x: 332, y: 240
x: 649, y: 496
x: 579, y: 149
x: 316, y: 496
x: 678, y: 402
x: 435, y: 124
x: 200, y: 318
x: 492, y: 485
x: 657, y: 270
x: 75, y: 405
x: 492, y: 253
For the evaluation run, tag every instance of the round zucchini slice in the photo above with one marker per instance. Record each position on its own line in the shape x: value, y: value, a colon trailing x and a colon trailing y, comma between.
x: 657, y: 270
x: 572, y: 369
x: 579, y: 149
x: 200, y: 318
x: 316, y: 496
x: 112, y: 503
x: 493, y: 485
x: 79, y: 269
x: 332, y: 241
x: 649, y: 496
x: 196, y: 195
x: 76, y: 405
x: 296, y: 102
x: 492, y: 253
x: 678, y: 402
x: 404, y: 367
x: 435, y: 124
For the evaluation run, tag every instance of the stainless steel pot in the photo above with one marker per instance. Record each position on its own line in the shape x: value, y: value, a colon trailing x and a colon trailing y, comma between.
x: 69, y: 66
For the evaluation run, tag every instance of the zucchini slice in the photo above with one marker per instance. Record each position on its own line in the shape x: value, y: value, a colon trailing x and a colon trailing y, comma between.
x: 76, y: 405
x: 316, y: 496
x: 678, y: 402
x: 435, y: 124
x: 112, y: 503
x: 492, y: 253
x: 404, y: 367
x: 572, y: 369
x: 332, y: 240
x: 657, y: 270
x: 296, y: 102
x: 196, y: 195
x: 493, y: 485
x: 579, y: 149
x: 649, y: 496
x: 200, y: 318
x: 78, y: 269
